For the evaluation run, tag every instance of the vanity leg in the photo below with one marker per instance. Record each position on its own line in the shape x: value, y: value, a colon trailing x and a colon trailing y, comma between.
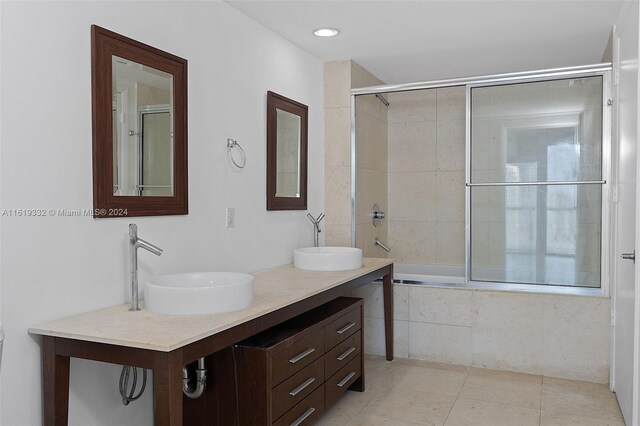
x: 167, y: 389
x: 387, y: 289
x: 55, y: 373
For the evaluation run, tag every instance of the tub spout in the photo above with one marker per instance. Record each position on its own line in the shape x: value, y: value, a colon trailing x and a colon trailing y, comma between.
x: 385, y: 247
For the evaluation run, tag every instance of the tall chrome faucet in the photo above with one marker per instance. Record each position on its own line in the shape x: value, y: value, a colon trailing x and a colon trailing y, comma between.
x: 316, y: 227
x: 134, y: 244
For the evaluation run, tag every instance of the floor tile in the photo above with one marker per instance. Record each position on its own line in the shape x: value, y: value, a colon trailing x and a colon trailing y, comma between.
x: 469, y: 412
x: 409, y: 392
x: 564, y: 400
x: 496, y: 388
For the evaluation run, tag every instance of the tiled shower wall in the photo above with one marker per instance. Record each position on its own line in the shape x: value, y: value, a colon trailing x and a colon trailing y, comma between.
x: 371, y: 164
x: 371, y: 173
x: 426, y: 176
x: 554, y: 335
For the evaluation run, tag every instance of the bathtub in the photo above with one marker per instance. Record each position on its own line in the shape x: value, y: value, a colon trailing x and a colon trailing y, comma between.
x: 409, y: 273
x: 452, y: 276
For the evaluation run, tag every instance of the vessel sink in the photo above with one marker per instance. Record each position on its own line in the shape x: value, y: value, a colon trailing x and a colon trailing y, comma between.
x: 197, y: 293
x: 327, y: 258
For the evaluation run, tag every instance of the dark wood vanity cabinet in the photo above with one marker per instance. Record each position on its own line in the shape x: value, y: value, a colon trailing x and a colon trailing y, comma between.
x: 289, y: 374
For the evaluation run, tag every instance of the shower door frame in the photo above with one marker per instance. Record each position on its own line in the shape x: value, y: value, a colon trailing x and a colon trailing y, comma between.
x: 600, y: 69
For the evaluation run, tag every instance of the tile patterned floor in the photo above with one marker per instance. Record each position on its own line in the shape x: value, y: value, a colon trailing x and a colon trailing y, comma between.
x: 411, y: 392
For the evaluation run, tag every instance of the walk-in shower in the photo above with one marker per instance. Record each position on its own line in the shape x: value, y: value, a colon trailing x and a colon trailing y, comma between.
x: 487, y: 181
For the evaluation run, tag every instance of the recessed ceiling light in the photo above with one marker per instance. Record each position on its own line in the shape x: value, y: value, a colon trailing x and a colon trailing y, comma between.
x: 326, y: 32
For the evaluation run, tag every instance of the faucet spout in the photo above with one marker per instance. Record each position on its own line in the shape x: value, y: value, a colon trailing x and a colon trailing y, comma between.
x: 316, y: 228
x: 149, y: 247
x: 134, y: 244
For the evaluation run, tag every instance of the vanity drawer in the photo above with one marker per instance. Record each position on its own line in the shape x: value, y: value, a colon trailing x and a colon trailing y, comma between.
x: 343, y: 327
x: 296, y: 356
x: 342, y: 354
x: 296, y: 388
x: 305, y: 412
x: 340, y: 382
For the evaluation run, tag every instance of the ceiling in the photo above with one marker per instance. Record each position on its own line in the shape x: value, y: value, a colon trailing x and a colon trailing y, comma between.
x: 407, y: 41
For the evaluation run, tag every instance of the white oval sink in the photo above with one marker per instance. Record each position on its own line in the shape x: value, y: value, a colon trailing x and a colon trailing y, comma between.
x: 196, y: 293
x: 327, y: 258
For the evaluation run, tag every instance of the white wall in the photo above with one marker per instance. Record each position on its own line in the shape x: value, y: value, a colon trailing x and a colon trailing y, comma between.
x: 54, y: 267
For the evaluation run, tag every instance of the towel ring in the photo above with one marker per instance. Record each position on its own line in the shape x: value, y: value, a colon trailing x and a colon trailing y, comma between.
x: 231, y: 143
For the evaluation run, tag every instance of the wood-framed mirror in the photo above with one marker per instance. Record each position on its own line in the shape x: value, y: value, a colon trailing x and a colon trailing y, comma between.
x: 287, y: 122
x: 139, y: 112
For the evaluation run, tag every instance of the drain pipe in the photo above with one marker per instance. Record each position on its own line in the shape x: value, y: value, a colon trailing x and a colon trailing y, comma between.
x: 196, y: 391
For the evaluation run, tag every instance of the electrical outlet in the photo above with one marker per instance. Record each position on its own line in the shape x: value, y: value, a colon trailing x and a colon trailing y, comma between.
x: 231, y: 217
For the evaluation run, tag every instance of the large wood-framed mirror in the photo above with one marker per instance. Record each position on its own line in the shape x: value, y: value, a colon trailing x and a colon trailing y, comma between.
x: 139, y: 128
x: 286, y: 153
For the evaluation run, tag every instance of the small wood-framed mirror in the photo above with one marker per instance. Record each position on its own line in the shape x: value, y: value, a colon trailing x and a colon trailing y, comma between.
x: 286, y: 153
x: 139, y: 101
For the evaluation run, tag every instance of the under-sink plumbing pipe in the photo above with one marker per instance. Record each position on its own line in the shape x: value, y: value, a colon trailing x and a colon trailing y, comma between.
x: 196, y: 391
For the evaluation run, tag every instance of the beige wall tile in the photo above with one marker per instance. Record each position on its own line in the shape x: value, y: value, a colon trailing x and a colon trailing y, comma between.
x: 450, y: 243
x: 517, y: 312
x: 412, y: 147
x: 412, y: 196
x: 577, y: 357
x: 337, y: 195
x: 441, y: 306
x: 373, y: 301
x: 364, y: 240
x: 437, y: 342
x: 577, y: 316
x: 451, y: 144
x: 413, y: 242
x: 410, y: 107
x: 372, y: 189
x: 450, y: 196
x: 374, y: 337
x: 371, y: 143
x: 337, y: 137
x: 372, y: 106
x: 337, y: 84
x: 508, y: 350
x: 336, y: 235
x: 451, y: 103
x: 361, y: 77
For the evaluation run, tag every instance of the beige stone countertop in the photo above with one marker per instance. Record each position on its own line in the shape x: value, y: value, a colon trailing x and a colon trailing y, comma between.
x: 275, y: 288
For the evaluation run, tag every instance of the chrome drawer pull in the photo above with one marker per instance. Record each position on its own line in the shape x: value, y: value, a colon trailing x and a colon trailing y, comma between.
x: 303, y: 417
x: 301, y: 355
x: 346, y: 379
x: 346, y: 327
x: 302, y: 386
x: 346, y: 353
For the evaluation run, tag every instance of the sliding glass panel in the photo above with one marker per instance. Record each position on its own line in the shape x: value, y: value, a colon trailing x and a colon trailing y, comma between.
x: 542, y: 131
x: 542, y: 234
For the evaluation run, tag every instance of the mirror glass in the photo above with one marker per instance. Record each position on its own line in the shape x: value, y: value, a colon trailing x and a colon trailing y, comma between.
x: 139, y: 118
x: 288, y: 129
x: 142, y: 129
x: 287, y: 122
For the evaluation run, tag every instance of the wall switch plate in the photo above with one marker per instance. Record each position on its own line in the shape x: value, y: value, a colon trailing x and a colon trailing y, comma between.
x: 231, y: 217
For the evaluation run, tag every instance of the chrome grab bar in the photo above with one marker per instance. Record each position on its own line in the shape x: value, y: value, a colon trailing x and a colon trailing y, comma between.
x: 303, y: 417
x: 346, y: 379
x: 302, y: 386
x: 301, y: 355
x: 346, y: 328
x: 346, y: 353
